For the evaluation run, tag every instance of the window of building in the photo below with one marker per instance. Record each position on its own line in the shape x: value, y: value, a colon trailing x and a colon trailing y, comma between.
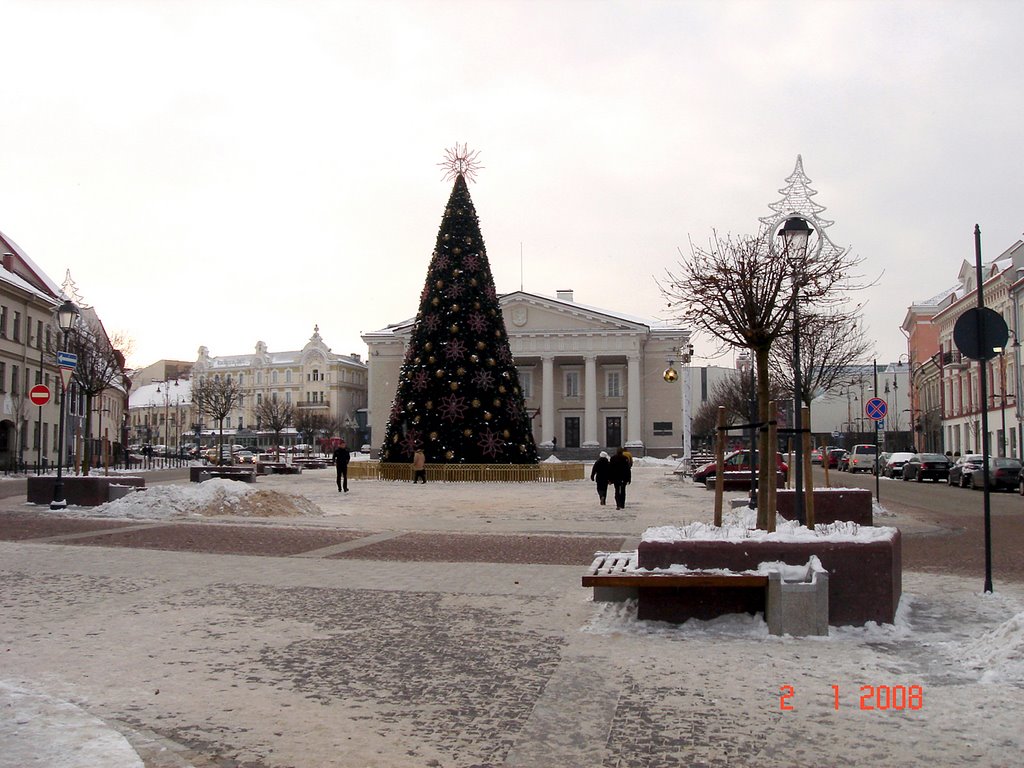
x: 241, y: 379
x: 3, y: 321
x: 39, y: 335
x: 259, y: 377
x: 288, y: 376
x: 273, y: 377
x: 613, y: 380
x: 288, y: 397
x: 14, y: 380
x: 3, y: 377
x: 259, y: 398
x: 572, y: 384
x: 16, y: 327
x: 663, y: 427
x: 526, y: 383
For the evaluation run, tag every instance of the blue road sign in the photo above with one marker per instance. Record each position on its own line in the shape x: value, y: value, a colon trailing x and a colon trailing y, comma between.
x: 875, y: 408
x: 67, y: 360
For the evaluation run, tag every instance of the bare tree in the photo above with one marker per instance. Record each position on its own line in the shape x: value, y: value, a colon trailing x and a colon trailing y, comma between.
x: 309, y: 424
x: 832, y: 343
x: 275, y: 415
x: 742, y: 292
x: 735, y: 393
x: 217, y: 397
x: 100, y: 366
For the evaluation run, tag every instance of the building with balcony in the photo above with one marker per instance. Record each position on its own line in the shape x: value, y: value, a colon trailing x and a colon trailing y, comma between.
x: 313, y: 380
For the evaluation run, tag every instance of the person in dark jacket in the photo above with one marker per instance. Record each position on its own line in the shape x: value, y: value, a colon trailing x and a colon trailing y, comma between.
x: 600, y: 474
x: 620, y: 475
x: 341, y: 459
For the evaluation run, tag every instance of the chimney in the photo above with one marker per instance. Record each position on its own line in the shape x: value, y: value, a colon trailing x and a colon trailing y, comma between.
x: 564, y: 294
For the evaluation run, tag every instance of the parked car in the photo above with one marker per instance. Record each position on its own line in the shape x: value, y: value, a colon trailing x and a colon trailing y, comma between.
x: 244, y: 457
x: 862, y: 458
x: 926, y: 466
x: 894, y: 465
x: 835, y: 457
x: 226, y: 455
x: 1003, y: 474
x: 960, y: 472
x: 737, y: 461
x: 816, y: 455
x: 883, y: 459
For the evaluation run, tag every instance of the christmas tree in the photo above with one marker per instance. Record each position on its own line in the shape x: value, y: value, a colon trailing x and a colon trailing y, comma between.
x: 458, y: 392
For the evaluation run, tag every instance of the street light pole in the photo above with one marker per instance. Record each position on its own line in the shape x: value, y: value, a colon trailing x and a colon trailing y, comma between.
x: 795, y: 234
x: 67, y: 316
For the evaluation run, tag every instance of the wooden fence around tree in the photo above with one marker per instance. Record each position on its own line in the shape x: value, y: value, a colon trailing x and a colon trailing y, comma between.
x: 470, y: 473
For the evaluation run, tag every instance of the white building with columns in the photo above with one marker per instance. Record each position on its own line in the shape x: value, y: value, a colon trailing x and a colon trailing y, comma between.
x: 592, y: 378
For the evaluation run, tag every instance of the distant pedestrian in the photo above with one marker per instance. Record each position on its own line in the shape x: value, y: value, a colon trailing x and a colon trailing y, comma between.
x: 554, y: 444
x: 600, y: 474
x: 419, y: 467
x: 620, y: 476
x: 341, y: 458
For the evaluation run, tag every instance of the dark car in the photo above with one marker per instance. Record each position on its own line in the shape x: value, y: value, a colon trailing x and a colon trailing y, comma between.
x: 1003, y: 474
x: 737, y: 461
x: 960, y: 472
x: 926, y: 466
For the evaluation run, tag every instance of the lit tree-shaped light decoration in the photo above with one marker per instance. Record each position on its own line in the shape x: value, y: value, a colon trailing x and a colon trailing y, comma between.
x: 458, y: 392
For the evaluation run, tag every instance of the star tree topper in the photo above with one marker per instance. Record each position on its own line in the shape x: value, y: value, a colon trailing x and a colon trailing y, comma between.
x: 459, y: 161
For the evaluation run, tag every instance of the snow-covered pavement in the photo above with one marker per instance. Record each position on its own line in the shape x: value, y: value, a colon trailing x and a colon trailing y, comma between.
x: 153, y: 658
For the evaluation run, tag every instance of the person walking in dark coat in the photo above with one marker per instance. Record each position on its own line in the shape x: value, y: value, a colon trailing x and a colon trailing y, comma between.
x: 600, y: 474
x: 620, y: 475
x: 341, y: 459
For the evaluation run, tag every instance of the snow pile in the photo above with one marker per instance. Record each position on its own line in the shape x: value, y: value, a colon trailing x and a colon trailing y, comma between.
x: 999, y: 653
x: 210, y: 498
x: 740, y: 524
x: 651, y: 461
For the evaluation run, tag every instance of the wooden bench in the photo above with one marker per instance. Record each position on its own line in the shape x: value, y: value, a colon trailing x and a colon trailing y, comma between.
x: 614, y: 577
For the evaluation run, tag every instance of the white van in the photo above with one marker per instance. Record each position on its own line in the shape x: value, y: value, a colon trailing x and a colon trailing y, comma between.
x: 862, y: 458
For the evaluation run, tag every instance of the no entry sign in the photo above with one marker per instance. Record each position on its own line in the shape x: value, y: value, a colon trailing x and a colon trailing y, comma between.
x: 39, y: 394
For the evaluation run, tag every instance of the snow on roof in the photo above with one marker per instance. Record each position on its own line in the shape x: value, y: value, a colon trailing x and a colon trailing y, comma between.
x: 43, y: 277
x: 153, y: 394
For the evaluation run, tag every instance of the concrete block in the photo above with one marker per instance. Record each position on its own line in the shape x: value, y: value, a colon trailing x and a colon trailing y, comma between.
x: 798, y: 607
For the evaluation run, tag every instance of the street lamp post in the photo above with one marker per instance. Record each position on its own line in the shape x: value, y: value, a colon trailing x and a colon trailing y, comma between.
x: 67, y: 316
x: 795, y: 233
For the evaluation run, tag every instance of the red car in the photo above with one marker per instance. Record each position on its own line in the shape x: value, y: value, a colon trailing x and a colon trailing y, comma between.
x: 835, y: 456
x: 736, y: 462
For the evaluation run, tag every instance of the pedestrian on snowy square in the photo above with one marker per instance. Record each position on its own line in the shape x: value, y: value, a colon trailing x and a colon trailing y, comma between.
x: 341, y: 458
x: 419, y: 466
x: 600, y: 474
x: 620, y: 475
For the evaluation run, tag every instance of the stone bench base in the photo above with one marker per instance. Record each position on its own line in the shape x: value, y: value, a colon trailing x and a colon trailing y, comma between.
x: 865, y: 579
x: 79, y: 490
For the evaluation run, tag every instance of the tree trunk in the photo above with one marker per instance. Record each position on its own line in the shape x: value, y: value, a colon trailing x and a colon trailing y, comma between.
x: 766, y: 456
x: 87, y: 447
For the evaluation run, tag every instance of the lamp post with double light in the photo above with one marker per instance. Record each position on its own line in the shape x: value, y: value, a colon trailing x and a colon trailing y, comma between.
x: 67, y: 316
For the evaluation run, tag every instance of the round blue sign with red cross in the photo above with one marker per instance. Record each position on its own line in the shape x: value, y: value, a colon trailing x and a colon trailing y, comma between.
x: 875, y: 408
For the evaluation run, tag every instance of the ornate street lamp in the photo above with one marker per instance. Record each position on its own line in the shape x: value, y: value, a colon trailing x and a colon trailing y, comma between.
x: 67, y: 316
x: 795, y: 234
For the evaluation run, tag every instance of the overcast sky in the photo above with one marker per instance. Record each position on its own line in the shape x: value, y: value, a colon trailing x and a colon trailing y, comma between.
x: 221, y: 173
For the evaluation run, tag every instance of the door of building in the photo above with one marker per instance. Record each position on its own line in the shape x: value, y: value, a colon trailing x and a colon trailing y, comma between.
x: 572, y: 431
x: 613, y: 431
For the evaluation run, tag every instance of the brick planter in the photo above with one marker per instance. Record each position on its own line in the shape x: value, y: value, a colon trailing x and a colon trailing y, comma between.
x: 830, y: 505
x: 79, y: 491
x: 865, y: 578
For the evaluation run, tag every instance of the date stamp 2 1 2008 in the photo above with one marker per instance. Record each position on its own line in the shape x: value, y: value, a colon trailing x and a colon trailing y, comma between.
x: 872, y: 697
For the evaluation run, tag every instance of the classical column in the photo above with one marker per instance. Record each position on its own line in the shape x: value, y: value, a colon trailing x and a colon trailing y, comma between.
x: 547, y: 400
x: 590, y: 402
x: 633, y: 416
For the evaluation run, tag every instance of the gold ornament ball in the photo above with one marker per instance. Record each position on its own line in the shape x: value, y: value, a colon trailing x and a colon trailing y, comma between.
x: 474, y: 358
x: 497, y: 402
x: 429, y: 405
x: 472, y: 281
x: 456, y: 250
x: 455, y: 308
x: 506, y: 434
x: 453, y: 328
x: 428, y: 346
x: 439, y: 284
x: 490, y: 361
x: 433, y: 435
x: 487, y: 416
x: 467, y: 432
x: 469, y: 240
x: 431, y: 360
x: 501, y: 389
x: 449, y: 455
x: 446, y: 237
x: 670, y: 375
x: 435, y: 301
x: 476, y: 403
x: 454, y: 385
x: 439, y: 373
x: 460, y: 371
x: 481, y: 345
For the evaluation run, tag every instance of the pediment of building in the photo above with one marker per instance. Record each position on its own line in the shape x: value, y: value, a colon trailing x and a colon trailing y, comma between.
x: 529, y: 314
